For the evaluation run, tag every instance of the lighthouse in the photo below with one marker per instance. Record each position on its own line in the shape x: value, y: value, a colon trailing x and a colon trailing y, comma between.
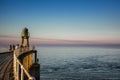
x: 25, y: 37
x: 27, y: 60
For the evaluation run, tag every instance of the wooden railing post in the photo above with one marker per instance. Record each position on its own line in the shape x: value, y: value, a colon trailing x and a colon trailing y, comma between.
x: 22, y: 77
x: 14, y: 63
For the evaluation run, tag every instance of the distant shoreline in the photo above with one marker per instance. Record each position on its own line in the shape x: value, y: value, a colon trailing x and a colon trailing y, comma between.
x: 5, y: 52
x: 116, y: 46
x: 81, y: 45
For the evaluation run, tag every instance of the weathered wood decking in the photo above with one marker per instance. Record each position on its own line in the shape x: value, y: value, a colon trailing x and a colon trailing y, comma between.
x: 6, y: 66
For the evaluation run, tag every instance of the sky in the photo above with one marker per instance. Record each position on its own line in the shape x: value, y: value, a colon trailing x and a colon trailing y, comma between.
x: 76, y: 20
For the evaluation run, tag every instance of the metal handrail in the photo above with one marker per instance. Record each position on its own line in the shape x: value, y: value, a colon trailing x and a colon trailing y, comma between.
x: 17, y: 66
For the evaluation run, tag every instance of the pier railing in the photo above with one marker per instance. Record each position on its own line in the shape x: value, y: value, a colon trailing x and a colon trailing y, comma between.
x: 19, y: 71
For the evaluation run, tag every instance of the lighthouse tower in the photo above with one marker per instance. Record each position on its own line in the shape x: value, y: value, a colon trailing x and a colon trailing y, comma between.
x: 27, y: 60
x: 25, y: 38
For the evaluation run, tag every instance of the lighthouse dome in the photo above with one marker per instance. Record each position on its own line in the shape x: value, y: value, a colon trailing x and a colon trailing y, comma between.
x: 25, y: 32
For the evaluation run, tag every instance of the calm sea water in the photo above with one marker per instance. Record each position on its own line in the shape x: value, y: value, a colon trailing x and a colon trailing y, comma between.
x: 79, y: 63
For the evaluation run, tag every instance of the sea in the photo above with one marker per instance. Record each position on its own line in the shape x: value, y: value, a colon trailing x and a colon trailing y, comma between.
x: 79, y: 63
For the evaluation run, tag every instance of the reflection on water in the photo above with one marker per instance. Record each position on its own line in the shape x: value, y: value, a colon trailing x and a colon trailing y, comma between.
x: 78, y: 63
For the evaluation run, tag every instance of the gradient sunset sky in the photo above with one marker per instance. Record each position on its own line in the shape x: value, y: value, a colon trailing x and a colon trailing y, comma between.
x: 86, y: 20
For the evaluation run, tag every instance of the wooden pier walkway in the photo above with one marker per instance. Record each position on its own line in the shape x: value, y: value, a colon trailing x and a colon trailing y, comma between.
x: 12, y: 67
x: 20, y: 62
x: 6, y: 66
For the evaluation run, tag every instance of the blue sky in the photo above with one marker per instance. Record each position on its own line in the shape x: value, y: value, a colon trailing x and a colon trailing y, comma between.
x: 90, y: 20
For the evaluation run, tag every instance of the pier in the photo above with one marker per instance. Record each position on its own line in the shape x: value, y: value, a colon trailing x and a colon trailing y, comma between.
x: 6, y: 62
x: 20, y: 63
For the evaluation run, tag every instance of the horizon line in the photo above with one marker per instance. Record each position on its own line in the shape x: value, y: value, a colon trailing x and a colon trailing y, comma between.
x: 7, y: 39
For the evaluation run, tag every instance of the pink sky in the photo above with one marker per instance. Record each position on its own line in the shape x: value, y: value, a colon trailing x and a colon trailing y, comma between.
x: 6, y: 40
